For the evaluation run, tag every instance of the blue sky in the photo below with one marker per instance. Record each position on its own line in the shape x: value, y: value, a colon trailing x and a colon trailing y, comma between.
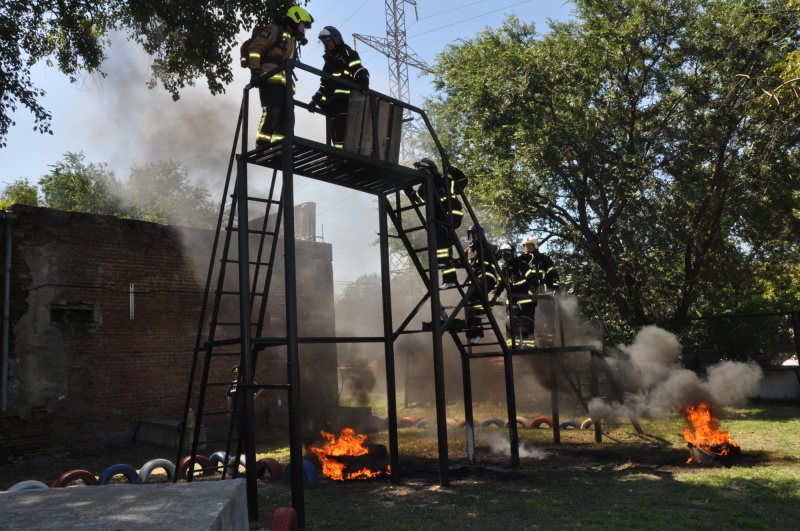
x: 117, y: 120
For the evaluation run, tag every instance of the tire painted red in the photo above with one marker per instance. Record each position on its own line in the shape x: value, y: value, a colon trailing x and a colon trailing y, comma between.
x: 539, y: 421
x: 74, y: 475
x: 268, y: 464
x: 205, y: 464
x: 284, y: 519
x: 463, y: 423
x: 407, y: 422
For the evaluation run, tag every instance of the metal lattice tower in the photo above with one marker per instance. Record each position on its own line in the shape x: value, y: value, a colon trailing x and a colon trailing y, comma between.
x: 395, y: 48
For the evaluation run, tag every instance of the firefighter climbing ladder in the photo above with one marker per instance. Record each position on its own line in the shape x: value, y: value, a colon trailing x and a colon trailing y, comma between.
x: 240, y: 273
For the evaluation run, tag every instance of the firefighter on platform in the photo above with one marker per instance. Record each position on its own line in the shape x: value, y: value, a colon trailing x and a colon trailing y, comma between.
x: 486, y: 276
x: 270, y: 47
x: 449, y: 213
x: 541, y: 274
x: 520, y: 306
x: 341, y: 62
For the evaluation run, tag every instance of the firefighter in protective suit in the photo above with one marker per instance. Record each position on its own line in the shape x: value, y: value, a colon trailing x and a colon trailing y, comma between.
x: 342, y: 62
x: 486, y: 276
x: 520, y: 306
x: 450, y: 212
x: 541, y: 275
x: 270, y: 47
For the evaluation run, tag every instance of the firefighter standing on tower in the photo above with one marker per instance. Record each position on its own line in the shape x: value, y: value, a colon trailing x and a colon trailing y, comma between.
x: 486, y: 276
x: 520, y: 306
x: 270, y: 47
x: 342, y: 62
x: 541, y: 274
x: 450, y: 213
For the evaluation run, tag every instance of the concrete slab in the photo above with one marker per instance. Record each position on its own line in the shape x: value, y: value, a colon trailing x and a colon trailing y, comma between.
x: 197, y: 506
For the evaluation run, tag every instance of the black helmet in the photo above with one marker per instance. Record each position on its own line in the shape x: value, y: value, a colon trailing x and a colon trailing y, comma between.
x: 427, y: 164
x: 329, y: 32
x: 475, y: 234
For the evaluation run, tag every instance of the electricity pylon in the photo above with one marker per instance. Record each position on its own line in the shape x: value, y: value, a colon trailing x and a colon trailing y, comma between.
x: 395, y: 48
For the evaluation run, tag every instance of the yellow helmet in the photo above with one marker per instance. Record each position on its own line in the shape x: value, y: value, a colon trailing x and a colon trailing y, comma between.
x: 298, y: 15
x: 530, y: 244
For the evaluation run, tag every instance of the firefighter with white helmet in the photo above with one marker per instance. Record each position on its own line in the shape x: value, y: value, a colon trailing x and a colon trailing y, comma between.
x: 520, y: 306
x: 271, y: 46
x: 333, y: 98
x: 541, y: 277
x: 487, y: 277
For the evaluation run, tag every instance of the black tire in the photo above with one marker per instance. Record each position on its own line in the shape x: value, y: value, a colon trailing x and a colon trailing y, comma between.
x: 153, y: 464
x: 570, y: 424
x: 284, y: 519
x: 116, y: 470
x: 493, y: 422
x: 74, y: 475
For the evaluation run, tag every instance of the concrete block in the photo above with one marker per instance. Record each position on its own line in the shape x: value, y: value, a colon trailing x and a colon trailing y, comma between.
x: 197, y: 506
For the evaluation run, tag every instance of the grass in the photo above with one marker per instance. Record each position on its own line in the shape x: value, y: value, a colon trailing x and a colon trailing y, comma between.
x: 629, y: 481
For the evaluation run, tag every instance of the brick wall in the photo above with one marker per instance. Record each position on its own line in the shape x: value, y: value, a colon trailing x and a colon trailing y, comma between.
x: 82, y: 369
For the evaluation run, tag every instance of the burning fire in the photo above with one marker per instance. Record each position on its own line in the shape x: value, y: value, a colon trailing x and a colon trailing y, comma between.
x: 702, y: 430
x: 348, y: 444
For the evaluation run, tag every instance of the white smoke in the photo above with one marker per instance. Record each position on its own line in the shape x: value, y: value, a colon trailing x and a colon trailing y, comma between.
x: 656, y: 386
x: 500, y: 445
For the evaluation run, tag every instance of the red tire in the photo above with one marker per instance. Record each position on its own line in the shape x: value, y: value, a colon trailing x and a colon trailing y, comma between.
x: 463, y: 423
x: 183, y: 466
x: 544, y: 419
x: 407, y: 422
x: 284, y: 519
x: 268, y: 464
x: 74, y: 475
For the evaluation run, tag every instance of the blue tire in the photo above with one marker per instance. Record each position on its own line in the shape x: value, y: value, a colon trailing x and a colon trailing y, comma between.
x: 426, y: 423
x: 153, y: 464
x: 116, y: 470
x: 493, y: 422
x: 570, y: 424
x: 310, y: 474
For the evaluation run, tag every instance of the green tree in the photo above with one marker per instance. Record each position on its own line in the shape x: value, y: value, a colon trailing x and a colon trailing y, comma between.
x: 187, y: 40
x: 161, y: 192
x: 80, y: 187
x: 628, y: 136
x: 20, y: 191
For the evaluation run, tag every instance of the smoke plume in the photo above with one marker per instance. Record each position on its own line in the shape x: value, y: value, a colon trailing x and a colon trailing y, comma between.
x: 656, y: 386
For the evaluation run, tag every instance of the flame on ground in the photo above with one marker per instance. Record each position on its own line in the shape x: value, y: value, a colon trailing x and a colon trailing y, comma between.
x: 703, y: 431
x: 348, y: 444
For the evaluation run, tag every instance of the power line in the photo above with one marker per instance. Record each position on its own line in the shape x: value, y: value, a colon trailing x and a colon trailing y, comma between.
x: 471, y: 18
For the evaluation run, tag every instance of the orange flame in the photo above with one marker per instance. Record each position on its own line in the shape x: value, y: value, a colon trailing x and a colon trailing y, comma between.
x: 703, y: 431
x: 348, y: 444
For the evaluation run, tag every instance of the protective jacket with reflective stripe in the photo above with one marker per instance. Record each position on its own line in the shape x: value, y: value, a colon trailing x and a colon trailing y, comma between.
x: 271, y: 46
x: 345, y: 63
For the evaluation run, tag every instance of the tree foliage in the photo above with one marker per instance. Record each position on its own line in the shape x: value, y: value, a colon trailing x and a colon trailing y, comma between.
x: 20, y: 191
x: 187, y: 40
x: 159, y: 192
x: 80, y: 187
x: 634, y: 137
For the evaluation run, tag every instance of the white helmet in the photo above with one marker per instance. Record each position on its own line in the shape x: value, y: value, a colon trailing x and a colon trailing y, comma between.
x: 530, y: 244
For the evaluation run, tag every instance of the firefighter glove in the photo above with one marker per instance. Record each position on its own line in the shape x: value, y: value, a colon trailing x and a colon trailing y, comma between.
x: 255, y: 78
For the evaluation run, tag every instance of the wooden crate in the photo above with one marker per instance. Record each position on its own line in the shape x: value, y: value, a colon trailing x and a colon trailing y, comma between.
x: 389, y: 123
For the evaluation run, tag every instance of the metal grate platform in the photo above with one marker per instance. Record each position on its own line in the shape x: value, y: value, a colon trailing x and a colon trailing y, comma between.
x: 337, y: 166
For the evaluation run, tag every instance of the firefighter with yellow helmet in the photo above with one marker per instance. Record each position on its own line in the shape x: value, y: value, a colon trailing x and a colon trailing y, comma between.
x: 270, y: 47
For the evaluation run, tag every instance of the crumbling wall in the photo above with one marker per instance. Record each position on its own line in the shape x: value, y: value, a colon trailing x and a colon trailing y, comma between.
x: 88, y: 358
